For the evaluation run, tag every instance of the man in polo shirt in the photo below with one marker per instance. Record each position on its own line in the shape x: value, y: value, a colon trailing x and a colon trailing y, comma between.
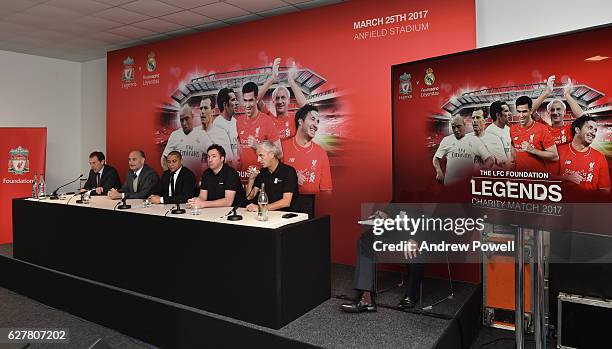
x: 281, y: 184
x: 220, y: 185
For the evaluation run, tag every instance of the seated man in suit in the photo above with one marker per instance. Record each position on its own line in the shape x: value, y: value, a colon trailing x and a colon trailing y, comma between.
x: 140, y: 182
x: 102, y: 177
x: 220, y: 185
x: 177, y: 182
x: 364, y: 279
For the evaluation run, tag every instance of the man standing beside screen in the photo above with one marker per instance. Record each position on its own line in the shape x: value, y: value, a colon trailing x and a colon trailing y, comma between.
x: 189, y: 141
x: 280, y: 180
x: 102, y: 177
x: 140, y: 181
x: 220, y: 185
x: 178, y: 183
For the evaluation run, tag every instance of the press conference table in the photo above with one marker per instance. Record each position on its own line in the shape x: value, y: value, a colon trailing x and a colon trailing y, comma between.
x: 266, y: 273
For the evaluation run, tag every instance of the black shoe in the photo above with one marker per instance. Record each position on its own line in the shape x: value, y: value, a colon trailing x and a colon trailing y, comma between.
x: 358, y: 307
x: 406, y: 303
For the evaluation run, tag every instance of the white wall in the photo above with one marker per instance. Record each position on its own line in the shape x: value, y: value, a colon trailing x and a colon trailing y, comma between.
x: 502, y: 21
x: 93, y: 109
x: 45, y: 92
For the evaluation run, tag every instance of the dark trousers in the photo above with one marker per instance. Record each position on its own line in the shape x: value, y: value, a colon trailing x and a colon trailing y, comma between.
x: 365, y: 267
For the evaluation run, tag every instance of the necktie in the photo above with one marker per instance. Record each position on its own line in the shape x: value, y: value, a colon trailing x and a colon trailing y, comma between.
x: 172, y: 184
x: 135, y: 182
x: 98, y: 179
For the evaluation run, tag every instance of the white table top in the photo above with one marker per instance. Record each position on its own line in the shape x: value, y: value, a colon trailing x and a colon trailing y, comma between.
x: 216, y: 214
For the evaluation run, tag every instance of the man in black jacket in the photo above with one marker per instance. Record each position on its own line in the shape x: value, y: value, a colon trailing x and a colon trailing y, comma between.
x: 178, y: 183
x: 102, y: 177
x: 140, y: 182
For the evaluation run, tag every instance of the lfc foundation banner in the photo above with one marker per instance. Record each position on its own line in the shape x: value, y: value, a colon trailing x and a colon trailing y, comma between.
x: 24, y: 151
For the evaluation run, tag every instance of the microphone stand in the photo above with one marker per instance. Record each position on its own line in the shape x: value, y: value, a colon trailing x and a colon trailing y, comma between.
x: 178, y: 209
x: 124, y: 205
x: 54, y: 195
x: 234, y: 216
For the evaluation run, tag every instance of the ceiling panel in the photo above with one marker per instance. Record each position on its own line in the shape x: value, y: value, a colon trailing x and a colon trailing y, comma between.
x: 151, y: 8
x: 257, y: 5
x: 80, y: 6
x: 121, y: 15
x: 187, y: 18
x: 189, y: 4
x: 82, y: 30
x: 158, y: 25
x: 220, y: 11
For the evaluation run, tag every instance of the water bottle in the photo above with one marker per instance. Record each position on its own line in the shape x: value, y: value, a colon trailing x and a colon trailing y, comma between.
x: 42, y: 188
x: 35, y: 187
x: 262, y: 204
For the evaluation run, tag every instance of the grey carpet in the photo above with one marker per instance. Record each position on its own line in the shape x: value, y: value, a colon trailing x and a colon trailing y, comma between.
x: 328, y: 327
x: 324, y: 326
x: 433, y: 290
x: 6, y: 250
x: 22, y: 312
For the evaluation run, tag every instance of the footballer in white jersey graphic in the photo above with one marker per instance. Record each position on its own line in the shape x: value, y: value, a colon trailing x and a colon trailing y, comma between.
x: 189, y: 141
x: 461, y: 152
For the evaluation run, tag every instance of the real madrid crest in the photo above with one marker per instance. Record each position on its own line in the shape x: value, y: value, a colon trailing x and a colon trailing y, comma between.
x: 151, y: 63
x: 127, y: 74
x: 18, y: 161
x: 430, y: 78
x: 405, y: 85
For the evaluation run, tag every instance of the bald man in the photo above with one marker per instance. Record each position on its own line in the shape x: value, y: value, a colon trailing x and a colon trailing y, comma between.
x: 140, y: 181
x: 462, y: 154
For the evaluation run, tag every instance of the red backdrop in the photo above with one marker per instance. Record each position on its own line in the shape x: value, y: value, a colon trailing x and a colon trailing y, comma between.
x: 24, y: 151
x: 355, y: 62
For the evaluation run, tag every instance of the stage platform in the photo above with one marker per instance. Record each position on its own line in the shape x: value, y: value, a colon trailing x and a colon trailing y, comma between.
x: 161, y: 323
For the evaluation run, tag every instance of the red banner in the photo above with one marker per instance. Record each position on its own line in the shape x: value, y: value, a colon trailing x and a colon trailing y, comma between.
x: 24, y: 150
x: 342, y: 54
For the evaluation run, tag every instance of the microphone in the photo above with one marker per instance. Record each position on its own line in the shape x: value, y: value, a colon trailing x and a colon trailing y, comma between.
x: 54, y: 195
x: 178, y: 209
x: 233, y: 215
x: 124, y: 205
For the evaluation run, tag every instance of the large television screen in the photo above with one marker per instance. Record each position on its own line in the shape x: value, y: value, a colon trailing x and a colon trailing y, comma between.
x: 527, y: 122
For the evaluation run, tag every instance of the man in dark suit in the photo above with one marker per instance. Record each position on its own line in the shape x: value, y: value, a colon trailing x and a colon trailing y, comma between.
x: 178, y: 183
x: 140, y: 181
x: 102, y: 177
